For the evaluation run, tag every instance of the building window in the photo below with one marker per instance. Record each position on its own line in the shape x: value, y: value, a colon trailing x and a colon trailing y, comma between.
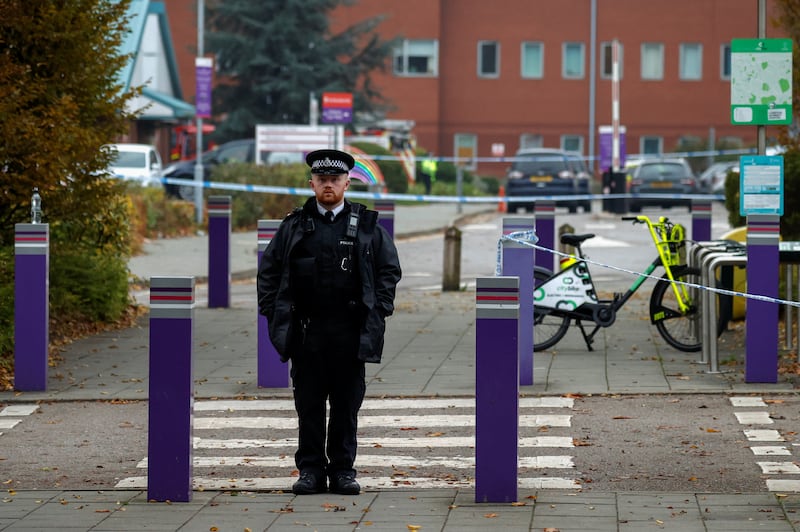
x: 652, y: 60
x: 572, y: 143
x: 607, y: 59
x: 414, y: 58
x: 465, y: 147
x: 488, y: 59
x: 573, y: 60
x: 691, y: 61
x: 725, y: 61
x: 651, y: 145
x: 532, y: 60
x: 530, y: 140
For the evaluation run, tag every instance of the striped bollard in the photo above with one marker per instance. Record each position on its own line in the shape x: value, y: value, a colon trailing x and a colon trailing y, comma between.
x: 701, y: 220
x: 545, y: 214
x: 169, y: 449
x: 761, y: 317
x: 496, y: 389
x: 385, y: 210
x: 518, y: 261
x: 272, y: 373
x: 219, y: 251
x: 31, y: 310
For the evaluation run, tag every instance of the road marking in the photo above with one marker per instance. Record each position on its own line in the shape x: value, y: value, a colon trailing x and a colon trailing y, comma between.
x: 764, y: 435
x: 376, y: 460
x: 367, y: 483
x: 770, y: 450
x: 19, y: 410
x: 602, y: 242
x: 447, y: 420
x: 563, y: 442
x: 380, y: 404
x: 753, y: 418
x: 783, y: 485
x: 748, y: 401
x: 439, y: 460
x: 9, y: 423
x: 779, y: 468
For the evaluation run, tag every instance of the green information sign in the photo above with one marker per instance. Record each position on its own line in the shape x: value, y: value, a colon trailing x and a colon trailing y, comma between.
x: 761, y: 82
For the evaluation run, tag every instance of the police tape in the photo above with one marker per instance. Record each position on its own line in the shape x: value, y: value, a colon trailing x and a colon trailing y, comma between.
x: 523, y: 237
x: 304, y: 191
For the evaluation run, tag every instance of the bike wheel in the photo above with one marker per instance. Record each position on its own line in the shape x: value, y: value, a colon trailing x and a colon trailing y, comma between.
x: 681, y: 331
x: 548, y: 328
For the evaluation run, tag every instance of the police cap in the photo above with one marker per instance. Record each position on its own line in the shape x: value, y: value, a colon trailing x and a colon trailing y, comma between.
x: 330, y: 162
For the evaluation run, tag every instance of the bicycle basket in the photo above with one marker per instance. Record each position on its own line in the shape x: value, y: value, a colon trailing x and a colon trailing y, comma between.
x: 675, y: 252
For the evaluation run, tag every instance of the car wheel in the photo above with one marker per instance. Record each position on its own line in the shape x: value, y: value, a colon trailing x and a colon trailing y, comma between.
x: 587, y: 207
x: 572, y: 209
x: 636, y: 208
x: 186, y: 192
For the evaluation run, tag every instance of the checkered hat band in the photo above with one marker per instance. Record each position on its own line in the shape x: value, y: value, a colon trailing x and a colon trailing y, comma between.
x: 326, y: 163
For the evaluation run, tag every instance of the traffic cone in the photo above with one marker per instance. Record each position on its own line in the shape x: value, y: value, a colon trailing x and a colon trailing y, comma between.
x: 501, y: 205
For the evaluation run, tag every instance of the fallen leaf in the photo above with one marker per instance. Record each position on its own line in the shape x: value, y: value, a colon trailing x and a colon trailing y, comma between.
x: 621, y: 417
x: 490, y: 516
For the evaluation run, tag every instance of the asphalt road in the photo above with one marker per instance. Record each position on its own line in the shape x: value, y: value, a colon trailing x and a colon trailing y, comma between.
x: 679, y: 443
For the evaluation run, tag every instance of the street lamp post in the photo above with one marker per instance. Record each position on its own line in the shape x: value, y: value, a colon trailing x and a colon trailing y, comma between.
x: 198, y: 162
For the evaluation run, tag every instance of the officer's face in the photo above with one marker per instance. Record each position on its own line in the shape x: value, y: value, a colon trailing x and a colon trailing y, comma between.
x: 329, y: 189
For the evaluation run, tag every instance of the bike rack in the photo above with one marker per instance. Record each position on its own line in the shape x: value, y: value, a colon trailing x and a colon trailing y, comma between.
x: 709, y: 308
x: 695, y: 257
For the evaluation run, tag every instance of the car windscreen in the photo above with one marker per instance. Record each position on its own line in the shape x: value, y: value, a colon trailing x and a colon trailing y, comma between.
x: 130, y: 159
x: 662, y: 171
x: 542, y: 165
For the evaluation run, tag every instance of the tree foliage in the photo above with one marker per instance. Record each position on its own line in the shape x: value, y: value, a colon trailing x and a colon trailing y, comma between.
x: 789, y: 20
x: 60, y: 101
x: 272, y: 54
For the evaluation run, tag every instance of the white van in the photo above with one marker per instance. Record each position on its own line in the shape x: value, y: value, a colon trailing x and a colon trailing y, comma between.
x: 137, y: 162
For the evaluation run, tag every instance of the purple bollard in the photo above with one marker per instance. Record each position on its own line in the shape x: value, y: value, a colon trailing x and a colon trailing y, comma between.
x: 219, y: 251
x: 169, y: 448
x: 518, y: 262
x: 272, y: 373
x: 496, y: 389
x: 385, y: 210
x: 701, y: 220
x: 761, y: 323
x: 545, y: 214
x: 31, y: 310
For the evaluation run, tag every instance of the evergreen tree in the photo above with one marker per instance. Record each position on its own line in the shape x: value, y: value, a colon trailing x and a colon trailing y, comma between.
x: 271, y: 54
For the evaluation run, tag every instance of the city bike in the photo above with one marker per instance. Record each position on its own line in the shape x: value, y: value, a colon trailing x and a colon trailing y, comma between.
x: 569, y: 294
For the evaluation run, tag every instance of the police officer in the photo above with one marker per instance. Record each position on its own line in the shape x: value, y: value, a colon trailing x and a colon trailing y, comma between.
x: 326, y: 283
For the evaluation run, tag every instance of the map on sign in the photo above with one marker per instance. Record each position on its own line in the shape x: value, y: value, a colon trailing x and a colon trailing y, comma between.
x: 761, y: 81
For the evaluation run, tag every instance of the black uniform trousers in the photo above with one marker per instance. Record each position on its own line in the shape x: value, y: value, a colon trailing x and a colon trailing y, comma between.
x: 328, y: 371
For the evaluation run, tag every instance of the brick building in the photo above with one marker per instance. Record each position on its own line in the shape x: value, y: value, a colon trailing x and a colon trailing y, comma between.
x: 524, y: 73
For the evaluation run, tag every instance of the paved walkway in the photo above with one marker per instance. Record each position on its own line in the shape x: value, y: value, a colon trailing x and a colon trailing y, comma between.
x: 430, y: 347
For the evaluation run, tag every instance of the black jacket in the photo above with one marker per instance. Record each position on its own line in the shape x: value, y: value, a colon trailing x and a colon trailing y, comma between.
x: 378, y: 268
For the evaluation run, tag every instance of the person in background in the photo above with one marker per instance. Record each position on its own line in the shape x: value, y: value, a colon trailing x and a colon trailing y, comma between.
x: 326, y: 284
x: 428, y: 169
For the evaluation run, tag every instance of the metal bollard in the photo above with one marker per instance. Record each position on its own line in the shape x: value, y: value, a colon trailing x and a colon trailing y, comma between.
x: 496, y: 389
x: 272, y: 373
x: 385, y: 210
x: 518, y: 261
x: 219, y: 251
x: 545, y: 215
x: 169, y: 447
x: 31, y: 305
x: 451, y: 276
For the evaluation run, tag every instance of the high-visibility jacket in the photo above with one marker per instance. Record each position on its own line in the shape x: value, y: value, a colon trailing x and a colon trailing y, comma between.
x: 429, y: 167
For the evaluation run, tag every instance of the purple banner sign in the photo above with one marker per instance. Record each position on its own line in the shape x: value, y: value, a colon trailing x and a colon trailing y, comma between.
x: 203, y: 67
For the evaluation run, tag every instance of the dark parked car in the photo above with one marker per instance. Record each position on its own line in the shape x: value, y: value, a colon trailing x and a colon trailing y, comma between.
x: 666, y: 177
x: 235, y: 151
x: 547, y: 172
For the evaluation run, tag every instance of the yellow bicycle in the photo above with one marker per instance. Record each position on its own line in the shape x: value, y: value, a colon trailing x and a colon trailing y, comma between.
x: 569, y: 294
